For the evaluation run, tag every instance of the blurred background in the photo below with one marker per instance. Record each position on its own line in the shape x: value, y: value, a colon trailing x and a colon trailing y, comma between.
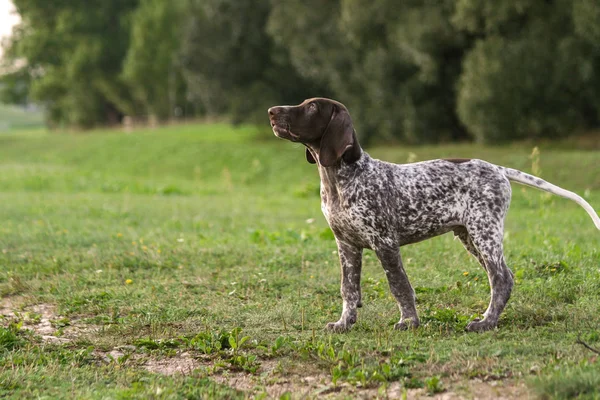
x: 418, y: 71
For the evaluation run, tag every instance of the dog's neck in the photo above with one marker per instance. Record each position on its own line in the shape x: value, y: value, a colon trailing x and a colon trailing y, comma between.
x: 353, y: 154
x: 337, y: 175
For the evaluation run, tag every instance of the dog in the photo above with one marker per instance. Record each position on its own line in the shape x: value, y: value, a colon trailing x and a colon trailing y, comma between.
x: 382, y: 206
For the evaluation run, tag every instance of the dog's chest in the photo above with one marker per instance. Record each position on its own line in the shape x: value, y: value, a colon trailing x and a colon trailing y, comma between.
x: 352, y: 218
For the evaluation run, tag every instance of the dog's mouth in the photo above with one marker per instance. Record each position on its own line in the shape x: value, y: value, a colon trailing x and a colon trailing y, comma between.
x: 282, y: 130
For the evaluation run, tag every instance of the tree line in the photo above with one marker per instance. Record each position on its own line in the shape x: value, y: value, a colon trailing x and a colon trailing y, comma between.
x: 412, y: 70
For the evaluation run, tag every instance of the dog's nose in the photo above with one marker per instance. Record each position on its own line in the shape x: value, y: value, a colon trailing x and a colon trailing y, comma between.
x: 274, y: 111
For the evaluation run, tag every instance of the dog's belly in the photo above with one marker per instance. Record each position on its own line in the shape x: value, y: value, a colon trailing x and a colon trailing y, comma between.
x: 418, y: 226
x: 415, y: 237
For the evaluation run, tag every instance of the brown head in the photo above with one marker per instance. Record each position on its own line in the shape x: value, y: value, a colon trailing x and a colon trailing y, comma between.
x: 324, y: 126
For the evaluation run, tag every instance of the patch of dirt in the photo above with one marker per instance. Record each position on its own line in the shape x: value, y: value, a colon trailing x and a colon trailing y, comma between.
x: 320, y: 386
x: 270, y: 379
x: 182, y: 363
x: 476, y: 389
x: 267, y: 379
x: 44, y: 327
x: 273, y: 380
x: 43, y: 320
x: 9, y: 304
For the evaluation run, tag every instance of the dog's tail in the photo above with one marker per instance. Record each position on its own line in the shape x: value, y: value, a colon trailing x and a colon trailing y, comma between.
x: 534, y: 181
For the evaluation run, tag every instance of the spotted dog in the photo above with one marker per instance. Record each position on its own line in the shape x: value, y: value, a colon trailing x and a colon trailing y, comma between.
x: 381, y: 206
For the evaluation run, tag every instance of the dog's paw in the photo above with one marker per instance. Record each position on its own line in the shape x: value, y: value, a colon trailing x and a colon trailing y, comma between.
x: 407, y: 323
x: 338, y: 327
x: 480, y: 325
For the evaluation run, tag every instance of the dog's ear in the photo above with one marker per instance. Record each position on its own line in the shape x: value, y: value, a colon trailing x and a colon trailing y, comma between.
x: 309, y: 157
x: 339, y: 139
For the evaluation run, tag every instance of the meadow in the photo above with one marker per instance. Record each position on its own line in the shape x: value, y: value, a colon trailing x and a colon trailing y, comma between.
x: 15, y: 118
x: 193, y: 261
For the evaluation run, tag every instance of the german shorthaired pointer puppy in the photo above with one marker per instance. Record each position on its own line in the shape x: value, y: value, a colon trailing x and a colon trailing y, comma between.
x: 381, y: 206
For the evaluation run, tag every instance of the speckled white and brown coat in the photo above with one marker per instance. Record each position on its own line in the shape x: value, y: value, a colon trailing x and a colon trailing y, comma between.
x: 381, y: 206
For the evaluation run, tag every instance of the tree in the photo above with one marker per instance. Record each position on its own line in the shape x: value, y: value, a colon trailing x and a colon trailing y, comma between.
x: 14, y: 87
x: 417, y: 70
x: 394, y: 64
x: 74, y: 53
x: 152, y: 66
x: 232, y: 66
x: 531, y: 73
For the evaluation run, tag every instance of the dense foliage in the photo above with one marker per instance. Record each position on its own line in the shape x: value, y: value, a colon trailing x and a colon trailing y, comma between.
x: 417, y: 71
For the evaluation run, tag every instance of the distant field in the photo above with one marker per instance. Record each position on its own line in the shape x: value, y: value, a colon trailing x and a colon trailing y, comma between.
x: 193, y: 261
x: 14, y: 118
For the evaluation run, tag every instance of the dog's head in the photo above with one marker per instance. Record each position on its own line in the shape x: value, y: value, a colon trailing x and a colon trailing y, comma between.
x: 323, y: 125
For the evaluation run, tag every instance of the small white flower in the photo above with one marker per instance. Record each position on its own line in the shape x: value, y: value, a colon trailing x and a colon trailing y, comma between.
x: 98, y: 271
x: 180, y: 240
x: 310, y: 220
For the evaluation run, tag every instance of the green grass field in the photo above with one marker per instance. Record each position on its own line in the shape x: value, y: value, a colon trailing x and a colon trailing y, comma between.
x: 14, y: 118
x: 194, y: 262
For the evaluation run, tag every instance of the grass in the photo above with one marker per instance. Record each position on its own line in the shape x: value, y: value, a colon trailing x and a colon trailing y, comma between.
x: 15, y: 118
x: 201, y: 249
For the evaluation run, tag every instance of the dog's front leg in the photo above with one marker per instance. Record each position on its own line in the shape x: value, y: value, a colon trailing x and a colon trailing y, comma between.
x: 351, y: 263
x: 400, y: 287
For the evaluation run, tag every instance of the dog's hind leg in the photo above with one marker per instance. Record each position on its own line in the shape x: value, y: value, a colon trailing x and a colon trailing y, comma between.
x: 486, y: 238
x: 462, y: 234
